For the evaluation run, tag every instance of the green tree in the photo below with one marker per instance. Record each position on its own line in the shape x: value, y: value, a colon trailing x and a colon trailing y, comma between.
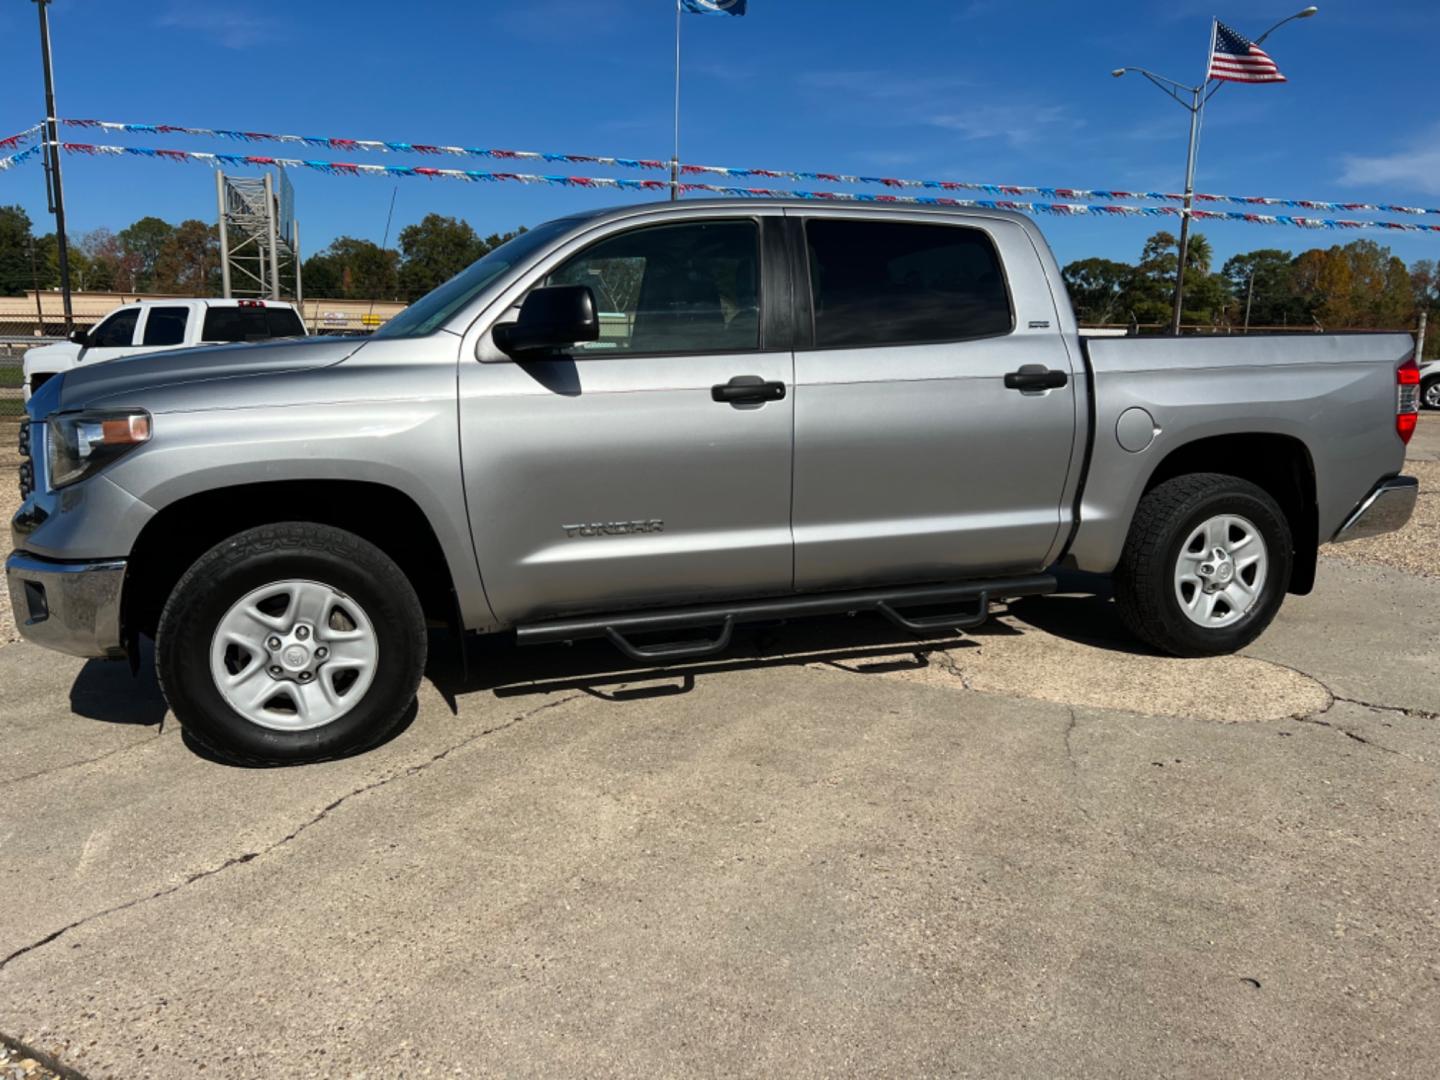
x: 140, y: 248
x: 15, y: 240
x: 433, y: 251
x: 188, y: 262
x: 353, y: 269
x: 1152, y: 292
x: 47, y: 256
x: 1098, y: 289
x: 436, y: 249
x: 102, y: 249
x: 1265, y: 280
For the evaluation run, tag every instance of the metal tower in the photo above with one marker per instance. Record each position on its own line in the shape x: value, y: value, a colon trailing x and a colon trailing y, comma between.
x: 259, y: 236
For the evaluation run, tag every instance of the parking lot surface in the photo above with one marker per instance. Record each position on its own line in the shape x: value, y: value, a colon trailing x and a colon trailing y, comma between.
x: 1030, y: 851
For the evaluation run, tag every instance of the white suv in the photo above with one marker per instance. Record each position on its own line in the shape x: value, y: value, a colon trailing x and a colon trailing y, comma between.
x: 147, y: 326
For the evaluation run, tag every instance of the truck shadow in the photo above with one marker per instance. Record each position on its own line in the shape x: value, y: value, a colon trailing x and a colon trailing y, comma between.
x: 107, y: 691
x: 1081, y: 612
x: 865, y: 644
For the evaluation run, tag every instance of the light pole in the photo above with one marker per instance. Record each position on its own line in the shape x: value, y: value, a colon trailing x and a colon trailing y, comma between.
x: 1193, y: 99
x: 54, y: 191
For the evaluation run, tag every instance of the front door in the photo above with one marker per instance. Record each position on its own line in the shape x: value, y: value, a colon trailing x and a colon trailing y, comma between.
x: 913, y: 459
x: 628, y: 472
x: 114, y: 337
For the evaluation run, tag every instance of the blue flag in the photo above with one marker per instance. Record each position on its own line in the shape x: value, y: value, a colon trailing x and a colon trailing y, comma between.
x: 714, y: 7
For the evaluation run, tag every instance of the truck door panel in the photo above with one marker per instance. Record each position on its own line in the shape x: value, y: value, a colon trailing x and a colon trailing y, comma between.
x: 913, y: 458
x: 612, y: 476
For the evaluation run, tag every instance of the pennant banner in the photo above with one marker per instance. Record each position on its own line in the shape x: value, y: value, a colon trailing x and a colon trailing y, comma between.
x: 1064, y: 209
x: 343, y: 168
x: 377, y: 146
x: 10, y: 142
x: 370, y: 145
x: 15, y: 159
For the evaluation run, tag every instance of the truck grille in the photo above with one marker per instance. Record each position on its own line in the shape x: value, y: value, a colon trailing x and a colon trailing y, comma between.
x: 27, y: 467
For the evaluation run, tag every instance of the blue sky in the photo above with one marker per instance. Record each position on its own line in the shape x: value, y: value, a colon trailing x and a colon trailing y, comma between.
x: 984, y: 90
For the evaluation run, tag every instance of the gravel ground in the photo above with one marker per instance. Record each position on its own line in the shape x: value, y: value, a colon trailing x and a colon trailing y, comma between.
x: 14, y: 1065
x: 1415, y: 548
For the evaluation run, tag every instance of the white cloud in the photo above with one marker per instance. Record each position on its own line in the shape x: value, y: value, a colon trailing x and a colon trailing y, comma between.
x: 229, y: 28
x: 1018, y: 125
x: 1415, y: 168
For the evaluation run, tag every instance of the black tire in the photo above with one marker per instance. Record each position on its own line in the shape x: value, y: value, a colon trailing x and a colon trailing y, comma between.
x: 1144, y: 580
x: 1430, y: 388
x: 251, y: 560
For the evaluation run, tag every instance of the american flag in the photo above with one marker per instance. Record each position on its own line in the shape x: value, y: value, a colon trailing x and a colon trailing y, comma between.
x: 1238, y: 59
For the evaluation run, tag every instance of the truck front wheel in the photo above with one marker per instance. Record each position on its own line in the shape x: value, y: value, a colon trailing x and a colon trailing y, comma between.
x: 1205, y: 566
x: 290, y: 643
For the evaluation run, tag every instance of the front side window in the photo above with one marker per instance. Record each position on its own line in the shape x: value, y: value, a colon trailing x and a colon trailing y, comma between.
x: 686, y: 288
x: 117, y: 331
x: 166, y: 326
x: 903, y: 283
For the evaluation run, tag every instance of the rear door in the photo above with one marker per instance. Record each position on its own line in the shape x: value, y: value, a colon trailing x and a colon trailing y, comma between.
x: 627, y: 471
x: 164, y: 327
x: 913, y: 459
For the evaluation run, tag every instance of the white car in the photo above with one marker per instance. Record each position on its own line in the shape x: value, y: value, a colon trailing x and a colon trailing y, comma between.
x: 147, y: 326
x: 1430, y: 385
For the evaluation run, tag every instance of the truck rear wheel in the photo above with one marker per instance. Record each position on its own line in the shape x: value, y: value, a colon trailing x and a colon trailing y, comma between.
x: 1205, y: 567
x: 291, y: 643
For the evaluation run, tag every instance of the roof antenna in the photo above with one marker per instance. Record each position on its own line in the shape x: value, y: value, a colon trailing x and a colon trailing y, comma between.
x: 384, y: 246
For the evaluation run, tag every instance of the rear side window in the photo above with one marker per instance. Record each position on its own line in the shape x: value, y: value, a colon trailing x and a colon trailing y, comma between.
x: 116, y: 331
x: 250, y: 324
x: 904, y: 283
x: 166, y: 326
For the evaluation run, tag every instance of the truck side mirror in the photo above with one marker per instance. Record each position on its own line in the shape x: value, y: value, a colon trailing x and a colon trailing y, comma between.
x: 553, y: 317
x: 81, y: 338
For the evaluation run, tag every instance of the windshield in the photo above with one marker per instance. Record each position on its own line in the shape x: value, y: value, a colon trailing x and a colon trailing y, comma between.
x: 435, y: 308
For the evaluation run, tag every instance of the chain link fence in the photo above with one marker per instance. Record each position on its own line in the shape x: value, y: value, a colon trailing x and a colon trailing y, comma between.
x: 13, y: 348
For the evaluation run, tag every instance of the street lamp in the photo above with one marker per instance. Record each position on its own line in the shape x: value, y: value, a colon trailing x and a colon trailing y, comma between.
x: 1193, y: 99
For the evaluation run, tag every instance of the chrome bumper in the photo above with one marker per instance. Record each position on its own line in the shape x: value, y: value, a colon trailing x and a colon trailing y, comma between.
x: 1387, y: 508
x: 69, y: 607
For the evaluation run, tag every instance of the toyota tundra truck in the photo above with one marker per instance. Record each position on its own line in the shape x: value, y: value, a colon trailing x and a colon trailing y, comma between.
x: 655, y: 423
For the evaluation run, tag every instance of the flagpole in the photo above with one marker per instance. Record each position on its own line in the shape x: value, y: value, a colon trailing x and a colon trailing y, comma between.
x: 675, y: 160
x: 1197, y: 108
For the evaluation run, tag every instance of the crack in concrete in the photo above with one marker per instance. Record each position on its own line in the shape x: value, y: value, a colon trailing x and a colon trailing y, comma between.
x: 1069, y: 747
x: 1416, y: 714
x: 1334, y: 699
x: 84, y: 761
x: 945, y: 662
x: 249, y: 856
x: 1348, y: 734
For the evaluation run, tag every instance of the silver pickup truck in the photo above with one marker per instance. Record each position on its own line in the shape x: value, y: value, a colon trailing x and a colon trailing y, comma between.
x: 654, y: 423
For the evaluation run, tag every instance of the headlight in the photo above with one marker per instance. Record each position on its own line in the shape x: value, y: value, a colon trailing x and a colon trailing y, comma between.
x: 85, y: 442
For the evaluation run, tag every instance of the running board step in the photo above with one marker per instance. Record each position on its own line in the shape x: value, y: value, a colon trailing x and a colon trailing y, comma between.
x: 973, y: 598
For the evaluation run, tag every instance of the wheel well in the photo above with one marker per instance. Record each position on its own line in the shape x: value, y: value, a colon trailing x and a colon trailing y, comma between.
x: 1280, y: 465
x: 183, y: 531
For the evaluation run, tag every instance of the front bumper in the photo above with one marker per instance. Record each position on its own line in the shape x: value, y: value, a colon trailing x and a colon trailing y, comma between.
x: 1387, y: 508
x: 69, y: 607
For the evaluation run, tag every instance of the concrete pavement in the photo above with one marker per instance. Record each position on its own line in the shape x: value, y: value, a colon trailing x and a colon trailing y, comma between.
x: 834, y: 851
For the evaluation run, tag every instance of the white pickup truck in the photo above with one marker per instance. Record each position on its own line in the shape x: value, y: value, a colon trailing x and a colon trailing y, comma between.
x: 146, y: 326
